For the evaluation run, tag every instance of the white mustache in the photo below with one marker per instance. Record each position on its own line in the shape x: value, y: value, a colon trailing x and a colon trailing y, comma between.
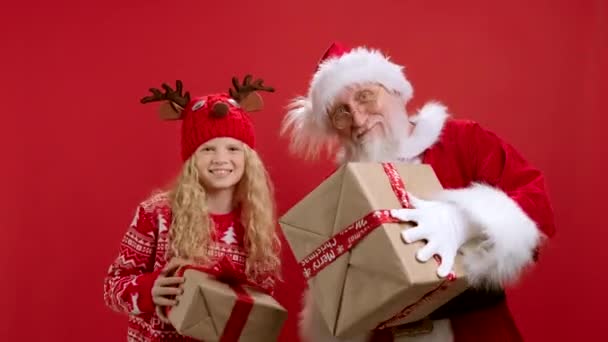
x: 384, y: 146
x: 359, y: 132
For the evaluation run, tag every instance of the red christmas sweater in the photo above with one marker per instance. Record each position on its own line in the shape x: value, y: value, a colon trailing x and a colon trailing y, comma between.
x: 142, y: 256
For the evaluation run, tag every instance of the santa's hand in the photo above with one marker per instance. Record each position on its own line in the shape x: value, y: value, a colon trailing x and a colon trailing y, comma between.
x: 442, y: 225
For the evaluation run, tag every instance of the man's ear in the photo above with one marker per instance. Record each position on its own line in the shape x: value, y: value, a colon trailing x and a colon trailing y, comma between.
x: 169, y: 110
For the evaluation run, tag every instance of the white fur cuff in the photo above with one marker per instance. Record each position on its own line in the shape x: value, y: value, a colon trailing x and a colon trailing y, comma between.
x: 509, y: 235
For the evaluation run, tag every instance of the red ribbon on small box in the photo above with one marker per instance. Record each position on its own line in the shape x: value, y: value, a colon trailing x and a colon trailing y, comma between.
x: 225, y: 272
x: 348, y: 238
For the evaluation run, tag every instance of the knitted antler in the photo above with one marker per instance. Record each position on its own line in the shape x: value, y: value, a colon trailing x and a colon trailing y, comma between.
x: 174, y: 97
x: 242, y: 93
x: 169, y: 95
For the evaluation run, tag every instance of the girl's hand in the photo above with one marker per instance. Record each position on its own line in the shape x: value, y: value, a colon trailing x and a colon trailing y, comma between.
x: 167, y: 288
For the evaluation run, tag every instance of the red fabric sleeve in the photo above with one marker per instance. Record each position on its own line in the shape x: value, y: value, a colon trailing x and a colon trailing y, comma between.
x: 499, y: 164
x: 128, y: 284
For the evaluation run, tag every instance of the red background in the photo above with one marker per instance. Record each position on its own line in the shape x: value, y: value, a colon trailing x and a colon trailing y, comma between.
x: 79, y: 151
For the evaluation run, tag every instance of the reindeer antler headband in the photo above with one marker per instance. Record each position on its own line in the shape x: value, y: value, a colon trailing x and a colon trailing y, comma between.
x: 245, y: 94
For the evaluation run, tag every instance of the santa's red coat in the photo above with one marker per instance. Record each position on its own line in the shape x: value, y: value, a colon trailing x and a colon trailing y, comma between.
x: 490, y: 181
x: 464, y: 154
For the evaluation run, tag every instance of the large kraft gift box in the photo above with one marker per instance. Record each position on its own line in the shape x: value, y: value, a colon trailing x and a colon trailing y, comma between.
x: 211, y: 311
x: 378, y: 283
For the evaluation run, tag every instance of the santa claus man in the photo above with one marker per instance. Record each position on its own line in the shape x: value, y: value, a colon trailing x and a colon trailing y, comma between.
x: 356, y: 110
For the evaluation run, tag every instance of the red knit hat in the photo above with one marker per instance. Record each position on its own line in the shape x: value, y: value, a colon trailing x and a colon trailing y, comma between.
x: 212, y: 116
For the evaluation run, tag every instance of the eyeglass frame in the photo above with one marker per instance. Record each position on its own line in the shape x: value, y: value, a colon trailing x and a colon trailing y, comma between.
x: 337, y: 117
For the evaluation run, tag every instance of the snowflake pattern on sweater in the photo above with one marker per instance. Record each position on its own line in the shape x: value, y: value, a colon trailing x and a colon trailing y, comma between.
x: 142, y: 256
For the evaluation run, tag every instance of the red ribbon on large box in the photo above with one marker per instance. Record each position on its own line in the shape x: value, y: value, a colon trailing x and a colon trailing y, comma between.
x: 225, y: 272
x: 348, y: 238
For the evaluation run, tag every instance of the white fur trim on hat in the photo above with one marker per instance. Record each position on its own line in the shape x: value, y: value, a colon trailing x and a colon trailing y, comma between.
x: 357, y: 66
x: 360, y: 65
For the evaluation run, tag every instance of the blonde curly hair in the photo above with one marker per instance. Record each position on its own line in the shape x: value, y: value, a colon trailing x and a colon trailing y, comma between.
x: 191, y: 225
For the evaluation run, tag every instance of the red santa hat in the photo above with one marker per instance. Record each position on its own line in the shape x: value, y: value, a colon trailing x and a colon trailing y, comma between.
x: 212, y: 116
x: 341, y: 67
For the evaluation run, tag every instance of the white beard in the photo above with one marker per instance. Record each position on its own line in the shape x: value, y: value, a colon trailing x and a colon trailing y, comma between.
x: 386, y: 148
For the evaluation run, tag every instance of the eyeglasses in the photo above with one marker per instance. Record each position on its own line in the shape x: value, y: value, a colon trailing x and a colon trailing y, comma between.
x: 341, y: 118
x: 365, y: 100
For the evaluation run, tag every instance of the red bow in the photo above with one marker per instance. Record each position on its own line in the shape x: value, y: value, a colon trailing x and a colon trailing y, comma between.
x: 224, y: 271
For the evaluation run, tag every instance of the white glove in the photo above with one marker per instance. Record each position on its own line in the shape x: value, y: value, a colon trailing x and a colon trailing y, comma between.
x: 442, y: 225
